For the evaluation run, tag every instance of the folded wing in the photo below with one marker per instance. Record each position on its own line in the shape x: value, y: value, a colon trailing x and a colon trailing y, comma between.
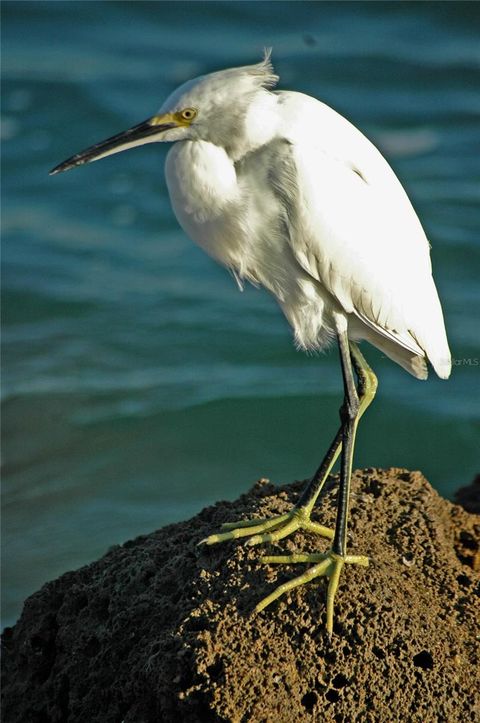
x: 353, y: 229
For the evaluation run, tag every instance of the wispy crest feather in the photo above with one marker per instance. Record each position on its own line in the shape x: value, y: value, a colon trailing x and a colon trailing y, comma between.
x: 264, y: 70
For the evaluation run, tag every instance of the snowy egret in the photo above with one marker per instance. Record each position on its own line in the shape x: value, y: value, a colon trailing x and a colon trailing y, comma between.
x: 287, y: 194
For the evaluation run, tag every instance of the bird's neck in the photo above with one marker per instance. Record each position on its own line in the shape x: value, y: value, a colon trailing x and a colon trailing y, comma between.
x: 259, y: 127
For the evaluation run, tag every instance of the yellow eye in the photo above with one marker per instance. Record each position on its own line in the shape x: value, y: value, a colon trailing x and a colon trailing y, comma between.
x: 188, y: 114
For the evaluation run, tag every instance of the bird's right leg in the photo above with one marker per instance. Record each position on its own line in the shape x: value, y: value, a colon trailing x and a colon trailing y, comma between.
x: 276, y: 528
x: 366, y: 390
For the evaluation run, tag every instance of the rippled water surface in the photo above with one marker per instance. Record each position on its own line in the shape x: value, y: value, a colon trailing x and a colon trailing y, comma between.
x: 139, y: 385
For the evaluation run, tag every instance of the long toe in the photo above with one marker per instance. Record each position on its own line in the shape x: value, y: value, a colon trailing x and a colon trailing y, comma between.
x: 329, y: 565
x: 240, y: 530
x: 269, y: 530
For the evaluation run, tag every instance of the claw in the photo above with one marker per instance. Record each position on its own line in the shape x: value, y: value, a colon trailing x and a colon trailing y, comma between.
x: 270, y: 530
x: 244, y: 530
x: 328, y: 565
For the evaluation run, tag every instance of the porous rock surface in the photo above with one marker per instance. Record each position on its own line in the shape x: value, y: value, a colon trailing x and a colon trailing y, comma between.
x: 162, y: 630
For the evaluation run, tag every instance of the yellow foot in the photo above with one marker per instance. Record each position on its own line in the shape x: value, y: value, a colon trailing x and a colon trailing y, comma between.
x: 270, y: 530
x: 327, y: 565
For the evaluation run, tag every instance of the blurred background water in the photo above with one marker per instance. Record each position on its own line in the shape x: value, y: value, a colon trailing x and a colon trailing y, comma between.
x: 138, y: 384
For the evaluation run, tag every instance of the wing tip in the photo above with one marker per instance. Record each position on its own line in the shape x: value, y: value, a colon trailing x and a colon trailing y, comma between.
x: 443, y: 367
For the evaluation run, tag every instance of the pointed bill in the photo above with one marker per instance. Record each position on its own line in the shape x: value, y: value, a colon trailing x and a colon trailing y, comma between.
x: 145, y: 132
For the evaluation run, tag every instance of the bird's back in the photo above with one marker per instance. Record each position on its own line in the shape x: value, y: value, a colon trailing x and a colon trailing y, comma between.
x: 354, y: 229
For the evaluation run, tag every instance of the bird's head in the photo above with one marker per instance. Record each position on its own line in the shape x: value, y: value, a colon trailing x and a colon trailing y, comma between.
x: 222, y: 108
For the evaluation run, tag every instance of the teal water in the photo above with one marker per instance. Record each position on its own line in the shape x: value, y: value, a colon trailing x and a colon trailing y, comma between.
x: 138, y: 384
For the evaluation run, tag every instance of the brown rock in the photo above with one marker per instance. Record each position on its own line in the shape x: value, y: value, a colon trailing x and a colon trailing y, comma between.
x: 469, y: 497
x: 162, y: 630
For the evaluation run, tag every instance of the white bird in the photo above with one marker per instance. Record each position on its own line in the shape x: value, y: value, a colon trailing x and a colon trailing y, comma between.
x: 289, y: 195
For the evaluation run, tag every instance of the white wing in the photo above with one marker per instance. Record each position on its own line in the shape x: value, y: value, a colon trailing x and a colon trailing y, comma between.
x: 353, y: 228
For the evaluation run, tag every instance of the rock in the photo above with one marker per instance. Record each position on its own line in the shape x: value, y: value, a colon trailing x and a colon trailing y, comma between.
x: 469, y: 497
x: 161, y: 630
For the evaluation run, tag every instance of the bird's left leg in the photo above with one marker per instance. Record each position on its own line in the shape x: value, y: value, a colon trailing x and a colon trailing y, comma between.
x: 331, y: 563
x: 276, y: 528
x: 280, y: 526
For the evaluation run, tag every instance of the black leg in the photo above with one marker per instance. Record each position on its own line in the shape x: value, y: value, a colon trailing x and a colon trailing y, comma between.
x: 331, y: 563
x: 366, y: 388
x: 349, y: 413
x: 315, y: 486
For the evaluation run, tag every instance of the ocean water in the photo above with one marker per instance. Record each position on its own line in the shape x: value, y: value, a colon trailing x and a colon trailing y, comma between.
x: 139, y: 385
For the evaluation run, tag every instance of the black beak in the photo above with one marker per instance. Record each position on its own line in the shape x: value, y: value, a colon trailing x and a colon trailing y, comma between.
x: 136, y: 136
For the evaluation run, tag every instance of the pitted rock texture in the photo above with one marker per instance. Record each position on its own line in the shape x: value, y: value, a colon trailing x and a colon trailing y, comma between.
x: 162, y: 630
